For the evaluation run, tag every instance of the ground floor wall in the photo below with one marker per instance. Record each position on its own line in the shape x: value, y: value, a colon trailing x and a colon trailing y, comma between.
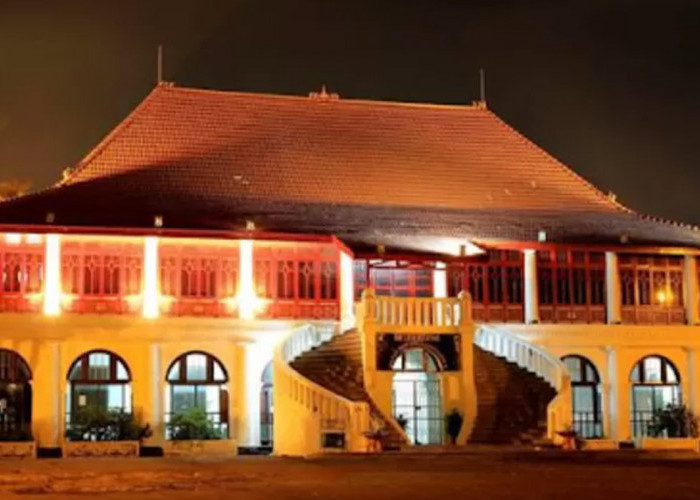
x: 50, y: 346
x: 614, y: 350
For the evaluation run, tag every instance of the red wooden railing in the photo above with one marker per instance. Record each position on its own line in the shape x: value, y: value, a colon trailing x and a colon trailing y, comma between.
x: 198, y: 280
x: 22, y: 266
x: 298, y: 281
x: 101, y: 277
x: 571, y: 286
x: 495, y: 283
x: 652, y: 289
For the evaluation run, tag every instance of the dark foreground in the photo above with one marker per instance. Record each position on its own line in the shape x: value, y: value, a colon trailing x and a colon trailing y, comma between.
x: 486, y: 474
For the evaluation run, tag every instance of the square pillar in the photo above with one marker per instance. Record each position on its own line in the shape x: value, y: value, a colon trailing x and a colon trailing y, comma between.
x: 47, y: 393
x: 256, y: 356
x: 619, y: 404
x: 690, y: 290
x: 154, y: 413
x: 440, y: 281
x: 693, y: 383
x: 347, y: 292
x: 613, y: 295
x: 532, y: 309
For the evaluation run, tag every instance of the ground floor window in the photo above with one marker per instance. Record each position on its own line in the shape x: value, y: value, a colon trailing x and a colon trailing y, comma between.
x: 98, y: 400
x: 655, y: 388
x: 587, y: 414
x: 266, y: 407
x: 417, y: 398
x: 15, y: 397
x: 196, y: 398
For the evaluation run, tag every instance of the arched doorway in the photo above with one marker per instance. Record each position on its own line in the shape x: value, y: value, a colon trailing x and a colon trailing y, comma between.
x: 15, y: 397
x: 587, y: 414
x: 655, y: 386
x: 99, y: 383
x: 416, y: 395
x: 197, y: 383
x: 266, y: 407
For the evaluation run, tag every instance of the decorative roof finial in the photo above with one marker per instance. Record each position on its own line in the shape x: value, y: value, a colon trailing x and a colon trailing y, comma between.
x: 324, y: 95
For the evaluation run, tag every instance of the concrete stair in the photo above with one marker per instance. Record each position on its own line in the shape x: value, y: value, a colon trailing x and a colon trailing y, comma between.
x: 337, y: 366
x: 512, y: 402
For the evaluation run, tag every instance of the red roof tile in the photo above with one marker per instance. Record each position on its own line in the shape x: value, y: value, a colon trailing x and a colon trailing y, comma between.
x: 367, y: 171
x: 339, y: 151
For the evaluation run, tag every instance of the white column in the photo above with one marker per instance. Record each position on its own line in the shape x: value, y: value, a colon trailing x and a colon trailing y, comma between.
x: 612, y: 289
x: 246, y: 299
x: 257, y: 356
x: 52, y: 275
x: 532, y: 311
x: 692, y: 378
x: 440, y: 280
x: 690, y: 290
x: 347, y: 292
x: 150, y: 277
x: 611, y: 404
x: 157, y: 394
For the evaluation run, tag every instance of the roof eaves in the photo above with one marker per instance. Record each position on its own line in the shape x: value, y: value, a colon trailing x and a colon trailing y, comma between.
x: 113, y: 134
x: 567, y: 170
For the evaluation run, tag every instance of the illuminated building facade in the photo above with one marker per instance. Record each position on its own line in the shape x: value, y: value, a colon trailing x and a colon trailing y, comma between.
x: 320, y: 273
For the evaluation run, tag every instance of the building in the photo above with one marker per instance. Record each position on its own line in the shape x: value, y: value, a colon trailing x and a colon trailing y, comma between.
x: 317, y: 273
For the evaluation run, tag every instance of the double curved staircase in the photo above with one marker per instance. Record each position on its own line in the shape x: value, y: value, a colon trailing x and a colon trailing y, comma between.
x: 523, y: 392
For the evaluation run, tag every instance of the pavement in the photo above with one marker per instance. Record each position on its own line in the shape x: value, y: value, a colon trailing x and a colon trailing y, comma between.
x: 483, y: 473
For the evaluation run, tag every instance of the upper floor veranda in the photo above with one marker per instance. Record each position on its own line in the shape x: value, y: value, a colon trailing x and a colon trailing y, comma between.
x: 295, y: 277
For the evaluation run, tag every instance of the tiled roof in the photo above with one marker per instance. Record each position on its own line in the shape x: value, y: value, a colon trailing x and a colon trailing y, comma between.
x: 367, y: 171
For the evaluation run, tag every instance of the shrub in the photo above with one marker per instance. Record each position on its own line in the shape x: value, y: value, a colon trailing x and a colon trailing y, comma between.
x: 93, y: 423
x: 192, y: 424
x: 22, y: 434
x: 453, y: 424
x: 674, y: 421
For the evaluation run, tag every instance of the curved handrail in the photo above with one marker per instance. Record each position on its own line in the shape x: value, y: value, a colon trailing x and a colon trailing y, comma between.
x: 522, y: 353
x: 333, y: 411
x: 538, y: 361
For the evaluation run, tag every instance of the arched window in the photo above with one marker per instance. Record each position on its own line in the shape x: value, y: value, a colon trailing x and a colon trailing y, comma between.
x: 415, y: 359
x: 197, y: 385
x: 266, y: 407
x: 587, y: 409
x: 98, y: 383
x: 655, y: 386
x: 15, y: 397
x: 417, y: 399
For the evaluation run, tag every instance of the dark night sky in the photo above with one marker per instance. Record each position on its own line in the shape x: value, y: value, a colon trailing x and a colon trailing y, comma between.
x: 610, y: 88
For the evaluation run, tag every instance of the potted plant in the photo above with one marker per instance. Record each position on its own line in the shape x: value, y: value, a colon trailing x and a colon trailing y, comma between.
x: 402, y: 421
x: 453, y: 424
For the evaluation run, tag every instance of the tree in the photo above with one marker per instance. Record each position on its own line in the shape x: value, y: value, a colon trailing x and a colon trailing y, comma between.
x: 12, y: 188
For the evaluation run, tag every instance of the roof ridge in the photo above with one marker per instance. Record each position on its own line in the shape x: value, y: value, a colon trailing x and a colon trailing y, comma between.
x: 111, y: 135
x: 562, y: 166
x: 341, y: 100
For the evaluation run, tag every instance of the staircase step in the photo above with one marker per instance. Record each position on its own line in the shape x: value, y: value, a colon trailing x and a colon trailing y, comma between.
x: 511, y: 402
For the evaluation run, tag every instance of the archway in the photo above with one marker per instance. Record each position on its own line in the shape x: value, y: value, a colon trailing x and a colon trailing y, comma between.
x: 15, y: 397
x: 587, y: 414
x: 197, y: 383
x: 655, y: 386
x: 416, y: 395
x: 266, y: 407
x: 99, y: 382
